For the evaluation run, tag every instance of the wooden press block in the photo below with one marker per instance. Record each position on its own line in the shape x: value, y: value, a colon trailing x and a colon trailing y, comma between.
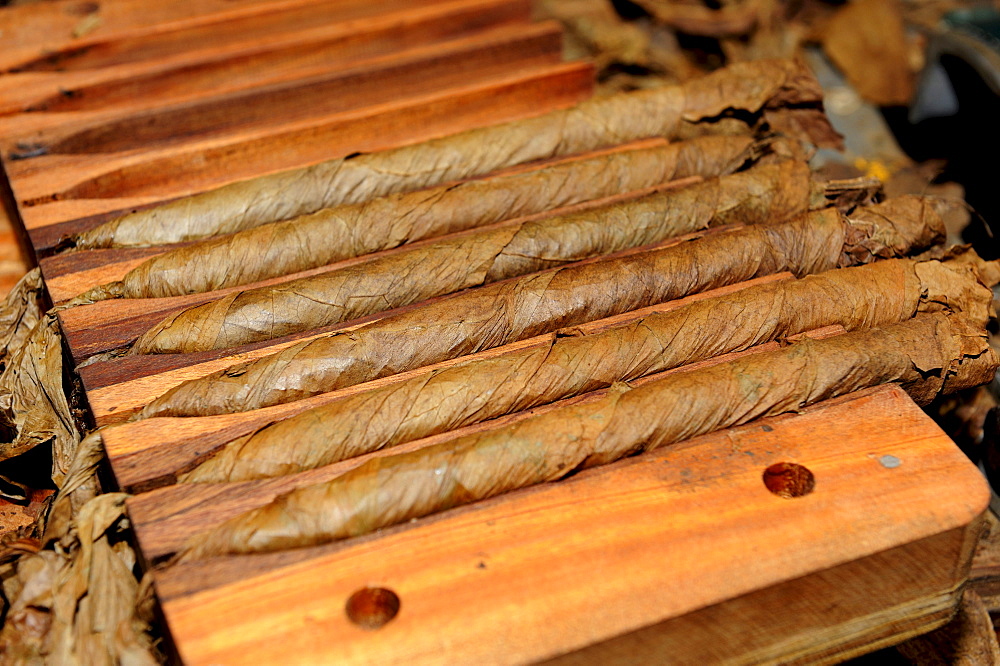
x: 166, y: 153
x: 289, y: 42
x: 680, y: 554
x: 55, y: 36
x: 326, y: 87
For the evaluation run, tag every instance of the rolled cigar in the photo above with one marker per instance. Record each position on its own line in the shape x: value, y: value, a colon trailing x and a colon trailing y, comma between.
x: 670, y: 112
x: 353, y: 230
x: 524, y: 307
x: 571, y: 362
x: 927, y: 355
x: 482, y: 256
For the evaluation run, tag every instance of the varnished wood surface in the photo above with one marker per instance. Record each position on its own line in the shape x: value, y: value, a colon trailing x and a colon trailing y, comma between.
x: 328, y: 87
x: 311, y: 37
x: 54, y: 36
x: 629, y: 546
x: 680, y: 551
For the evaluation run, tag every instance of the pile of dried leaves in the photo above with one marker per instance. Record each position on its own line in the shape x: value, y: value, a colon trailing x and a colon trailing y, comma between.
x: 643, y: 43
x: 71, y: 592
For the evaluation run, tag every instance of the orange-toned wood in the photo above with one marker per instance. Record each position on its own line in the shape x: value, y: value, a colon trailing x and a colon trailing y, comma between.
x: 79, y: 194
x: 317, y: 91
x: 685, y: 545
x: 323, y: 36
x: 71, y: 35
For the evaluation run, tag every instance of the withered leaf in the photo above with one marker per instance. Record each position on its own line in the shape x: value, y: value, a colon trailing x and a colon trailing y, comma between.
x: 669, y: 112
x: 393, y: 489
x: 542, y: 302
x: 482, y: 256
x: 353, y: 230
x: 559, y: 366
x: 866, y: 39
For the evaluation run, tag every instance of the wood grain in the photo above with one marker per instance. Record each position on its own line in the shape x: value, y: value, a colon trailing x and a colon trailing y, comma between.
x: 641, y: 542
x: 316, y: 92
x: 71, y: 273
x: 80, y: 188
x: 311, y: 37
x: 40, y: 37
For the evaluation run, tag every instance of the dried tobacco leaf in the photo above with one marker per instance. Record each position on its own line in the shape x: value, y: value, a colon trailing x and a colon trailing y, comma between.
x: 76, y: 605
x: 347, y: 231
x: 673, y: 112
x: 524, y: 307
x: 930, y: 353
x: 477, y: 257
x: 20, y: 313
x: 866, y: 39
x: 33, y: 404
x: 610, y: 40
x: 569, y: 363
x: 695, y: 19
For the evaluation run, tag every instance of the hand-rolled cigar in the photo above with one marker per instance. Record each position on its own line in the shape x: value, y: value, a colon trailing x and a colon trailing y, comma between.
x: 568, y: 363
x: 928, y: 354
x: 353, y: 230
x: 524, y: 307
x: 481, y: 256
x: 751, y: 87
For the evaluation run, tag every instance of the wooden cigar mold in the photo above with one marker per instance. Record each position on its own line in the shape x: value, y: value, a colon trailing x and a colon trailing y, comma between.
x: 711, y: 550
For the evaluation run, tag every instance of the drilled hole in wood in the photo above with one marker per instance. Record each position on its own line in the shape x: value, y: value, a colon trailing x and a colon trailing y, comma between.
x: 789, y: 480
x: 372, y: 607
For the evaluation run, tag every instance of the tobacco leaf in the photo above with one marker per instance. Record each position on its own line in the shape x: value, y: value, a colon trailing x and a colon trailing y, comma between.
x: 564, y: 365
x: 482, y: 256
x: 926, y: 354
x: 33, y: 405
x: 79, y: 486
x: 76, y: 604
x: 343, y: 232
x: 866, y: 39
x: 669, y: 111
x: 969, y: 638
x: 609, y: 40
x: 20, y: 313
x: 520, y: 308
x: 694, y: 19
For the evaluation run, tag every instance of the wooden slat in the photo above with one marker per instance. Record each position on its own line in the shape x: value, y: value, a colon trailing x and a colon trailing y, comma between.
x: 314, y: 93
x: 640, y: 543
x: 40, y: 37
x: 114, y: 184
x: 324, y: 41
